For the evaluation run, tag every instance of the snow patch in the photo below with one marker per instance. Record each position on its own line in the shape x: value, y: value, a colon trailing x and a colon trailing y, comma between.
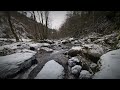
x: 76, y: 48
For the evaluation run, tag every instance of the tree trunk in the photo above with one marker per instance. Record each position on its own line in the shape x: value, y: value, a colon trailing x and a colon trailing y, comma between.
x: 41, y: 14
x: 11, y: 27
x: 46, y: 24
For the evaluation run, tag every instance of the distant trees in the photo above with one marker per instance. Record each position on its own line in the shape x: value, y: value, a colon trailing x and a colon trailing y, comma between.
x: 10, y: 24
x: 82, y: 22
x: 40, y: 28
x: 44, y: 18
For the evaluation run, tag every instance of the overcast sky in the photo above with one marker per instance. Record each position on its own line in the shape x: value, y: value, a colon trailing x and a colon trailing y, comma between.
x: 57, y: 18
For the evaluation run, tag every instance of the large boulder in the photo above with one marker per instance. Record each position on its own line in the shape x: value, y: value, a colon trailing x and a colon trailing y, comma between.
x: 51, y: 70
x: 13, y: 64
x: 93, y: 51
x: 109, y: 66
x: 74, y: 51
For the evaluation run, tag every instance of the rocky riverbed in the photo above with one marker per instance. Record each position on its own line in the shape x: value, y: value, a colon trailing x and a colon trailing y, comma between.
x: 68, y: 58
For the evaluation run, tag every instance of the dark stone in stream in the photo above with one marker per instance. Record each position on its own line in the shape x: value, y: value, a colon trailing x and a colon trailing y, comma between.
x: 32, y: 48
x: 18, y: 45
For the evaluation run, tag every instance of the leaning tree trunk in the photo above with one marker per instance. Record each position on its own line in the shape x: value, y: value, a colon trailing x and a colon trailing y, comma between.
x: 11, y: 27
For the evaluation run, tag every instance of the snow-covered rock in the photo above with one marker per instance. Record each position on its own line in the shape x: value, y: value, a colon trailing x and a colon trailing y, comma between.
x: 47, y: 49
x: 76, y: 69
x: 74, y: 51
x: 51, y: 70
x: 73, y: 61
x: 84, y: 74
x: 10, y: 65
x: 110, y: 66
x: 93, y: 51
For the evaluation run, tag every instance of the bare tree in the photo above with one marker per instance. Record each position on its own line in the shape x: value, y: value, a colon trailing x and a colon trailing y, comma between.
x: 11, y: 27
x: 41, y: 14
x: 41, y: 28
x: 36, y: 26
x: 46, y: 23
x: 44, y: 17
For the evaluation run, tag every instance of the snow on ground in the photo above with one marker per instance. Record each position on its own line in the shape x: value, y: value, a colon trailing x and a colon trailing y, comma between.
x: 51, y: 70
x: 110, y: 68
x: 11, y: 46
x: 24, y: 45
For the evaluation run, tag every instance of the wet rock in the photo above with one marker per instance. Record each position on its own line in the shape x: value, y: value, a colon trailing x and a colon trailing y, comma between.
x: 84, y: 74
x: 32, y: 48
x: 85, y: 66
x: 19, y: 45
